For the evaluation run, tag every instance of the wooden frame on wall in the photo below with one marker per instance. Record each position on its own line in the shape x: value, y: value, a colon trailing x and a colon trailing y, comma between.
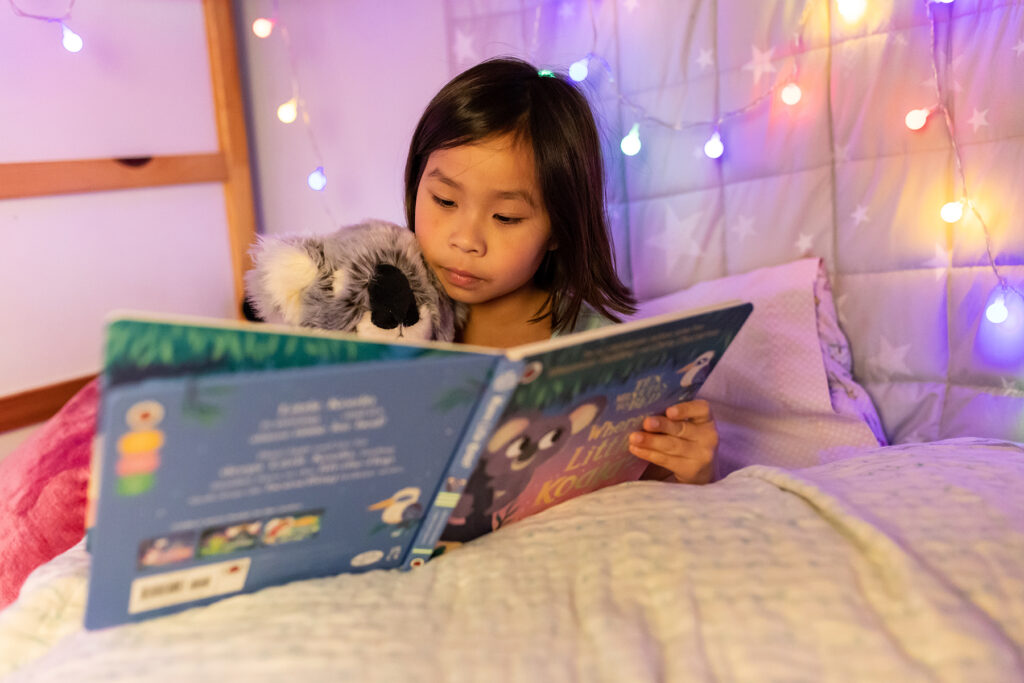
x: 229, y: 165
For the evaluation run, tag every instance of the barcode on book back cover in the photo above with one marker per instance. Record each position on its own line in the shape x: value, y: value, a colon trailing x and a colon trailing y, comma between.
x: 175, y: 588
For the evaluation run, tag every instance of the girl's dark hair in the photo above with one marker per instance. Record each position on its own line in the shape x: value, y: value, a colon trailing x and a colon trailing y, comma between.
x: 508, y: 95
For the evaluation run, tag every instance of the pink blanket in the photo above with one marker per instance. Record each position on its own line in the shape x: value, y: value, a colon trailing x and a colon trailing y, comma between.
x: 43, y: 491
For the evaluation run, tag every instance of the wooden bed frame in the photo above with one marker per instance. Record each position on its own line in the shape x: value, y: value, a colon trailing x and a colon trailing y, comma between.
x: 229, y: 165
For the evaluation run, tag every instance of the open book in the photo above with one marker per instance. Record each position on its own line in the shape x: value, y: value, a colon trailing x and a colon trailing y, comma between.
x: 233, y: 456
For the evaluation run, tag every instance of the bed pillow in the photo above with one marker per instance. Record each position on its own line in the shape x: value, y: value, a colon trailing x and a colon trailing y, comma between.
x: 783, y: 394
x: 43, y: 491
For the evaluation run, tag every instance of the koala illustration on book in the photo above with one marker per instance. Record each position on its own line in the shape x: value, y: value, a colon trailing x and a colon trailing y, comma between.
x: 517, y: 447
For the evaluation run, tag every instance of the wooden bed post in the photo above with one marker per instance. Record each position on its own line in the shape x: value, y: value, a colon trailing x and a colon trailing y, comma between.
x: 229, y: 107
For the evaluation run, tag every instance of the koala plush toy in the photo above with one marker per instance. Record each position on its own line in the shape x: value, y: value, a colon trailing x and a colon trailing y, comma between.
x: 368, y: 278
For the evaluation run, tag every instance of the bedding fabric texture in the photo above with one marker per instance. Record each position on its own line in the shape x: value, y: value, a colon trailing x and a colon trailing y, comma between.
x: 905, y: 563
x: 784, y: 393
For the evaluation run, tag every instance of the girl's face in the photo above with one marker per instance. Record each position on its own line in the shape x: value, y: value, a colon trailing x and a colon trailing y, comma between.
x: 481, y: 221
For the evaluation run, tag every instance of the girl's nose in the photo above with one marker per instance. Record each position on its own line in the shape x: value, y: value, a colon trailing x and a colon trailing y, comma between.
x: 466, y: 236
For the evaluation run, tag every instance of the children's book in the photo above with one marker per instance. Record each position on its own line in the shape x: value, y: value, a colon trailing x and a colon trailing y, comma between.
x: 232, y: 456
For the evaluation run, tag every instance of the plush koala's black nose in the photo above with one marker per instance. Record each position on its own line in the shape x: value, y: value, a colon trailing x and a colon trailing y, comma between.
x: 391, y: 299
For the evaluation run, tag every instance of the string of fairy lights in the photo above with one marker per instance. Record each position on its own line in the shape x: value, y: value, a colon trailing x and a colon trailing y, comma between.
x: 71, y: 41
x: 788, y: 91
x: 1004, y: 298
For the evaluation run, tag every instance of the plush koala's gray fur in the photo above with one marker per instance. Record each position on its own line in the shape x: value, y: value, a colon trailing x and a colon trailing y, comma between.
x: 368, y: 278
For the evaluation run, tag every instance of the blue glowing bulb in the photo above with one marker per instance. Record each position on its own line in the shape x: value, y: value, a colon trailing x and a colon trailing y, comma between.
x: 997, y: 312
x: 317, y: 179
x: 579, y: 70
x: 72, y: 41
x: 630, y: 144
x: 714, y: 148
x: 1000, y: 337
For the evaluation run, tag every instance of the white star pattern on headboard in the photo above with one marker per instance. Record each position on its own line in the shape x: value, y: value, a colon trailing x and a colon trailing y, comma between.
x: 891, y: 358
x: 761, y: 63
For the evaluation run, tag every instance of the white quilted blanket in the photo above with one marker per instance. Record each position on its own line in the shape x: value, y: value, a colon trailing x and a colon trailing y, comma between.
x: 906, y: 563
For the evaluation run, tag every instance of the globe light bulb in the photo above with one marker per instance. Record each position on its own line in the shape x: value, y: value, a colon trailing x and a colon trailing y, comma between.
x: 942, y: 2
x: 951, y: 212
x: 288, y: 111
x: 852, y: 10
x: 262, y: 27
x: 317, y: 179
x: 997, y: 312
x: 916, y: 118
x: 71, y: 41
x: 579, y: 70
x: 630, y: 144
x: 791, y: 94
x: 713, y: 148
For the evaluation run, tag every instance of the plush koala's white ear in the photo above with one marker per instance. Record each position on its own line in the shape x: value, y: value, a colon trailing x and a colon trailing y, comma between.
x: 281, y: 272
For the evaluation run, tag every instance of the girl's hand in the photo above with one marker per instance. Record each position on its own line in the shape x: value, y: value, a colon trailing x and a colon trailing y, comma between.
x: 682, y: 442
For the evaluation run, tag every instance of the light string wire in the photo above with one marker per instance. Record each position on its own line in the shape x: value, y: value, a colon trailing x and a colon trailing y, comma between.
x: 942, y: 96
x: 641, y: 112
x: 40, y: 17
x: 301, y: 104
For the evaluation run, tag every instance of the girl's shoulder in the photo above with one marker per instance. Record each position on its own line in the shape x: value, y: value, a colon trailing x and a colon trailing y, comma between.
x: 588, y: 319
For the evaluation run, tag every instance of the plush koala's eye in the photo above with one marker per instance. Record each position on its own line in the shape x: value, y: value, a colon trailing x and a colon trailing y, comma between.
x: 549, y: 439
x: 517, y: 447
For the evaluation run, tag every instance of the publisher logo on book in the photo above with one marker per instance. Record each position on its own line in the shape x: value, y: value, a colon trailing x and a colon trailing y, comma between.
x: 648, y: 390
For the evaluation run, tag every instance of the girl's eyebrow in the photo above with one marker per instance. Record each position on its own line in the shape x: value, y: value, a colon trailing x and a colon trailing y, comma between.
x: 501, y: 194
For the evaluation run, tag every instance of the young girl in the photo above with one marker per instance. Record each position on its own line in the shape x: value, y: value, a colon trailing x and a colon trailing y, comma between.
x: 504, y: 188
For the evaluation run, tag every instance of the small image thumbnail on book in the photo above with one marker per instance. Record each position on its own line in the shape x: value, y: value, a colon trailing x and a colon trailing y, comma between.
x: 169, y: 549
x: 292, y: 528
x: 229, y: 538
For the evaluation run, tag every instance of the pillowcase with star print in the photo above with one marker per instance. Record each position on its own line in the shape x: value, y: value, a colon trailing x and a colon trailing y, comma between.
x: 784, y: 392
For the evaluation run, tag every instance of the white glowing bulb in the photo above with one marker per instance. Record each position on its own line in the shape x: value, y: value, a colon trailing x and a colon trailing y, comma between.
x: 630, y: 144
x: 997, y: 312
x: 579, y: 70
x: 72, y: 41
x: 951, y: 212
x: 714, y: 148
x: 262, y: 27
x: 852, y: 10
x: 288, y: 111
x: 791, y: 94
x: 916, y: 118
x: 317, y: 179
x: 943, y: 2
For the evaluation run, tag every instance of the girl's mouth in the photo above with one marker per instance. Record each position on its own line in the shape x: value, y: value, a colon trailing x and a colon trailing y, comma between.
x: 460, y: 278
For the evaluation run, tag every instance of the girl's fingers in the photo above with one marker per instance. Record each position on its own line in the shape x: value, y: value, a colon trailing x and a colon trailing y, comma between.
x: 698, y: 411
x: 695, y: 469
x: 693, y: 443
x: 689, y: 430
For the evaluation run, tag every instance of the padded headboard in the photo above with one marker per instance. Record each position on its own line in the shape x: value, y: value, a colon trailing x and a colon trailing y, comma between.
x: 838, y: 175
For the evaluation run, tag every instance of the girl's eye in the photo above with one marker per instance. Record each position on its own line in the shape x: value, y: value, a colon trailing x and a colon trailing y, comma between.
x: 507, y: 220
x: 446, y: 203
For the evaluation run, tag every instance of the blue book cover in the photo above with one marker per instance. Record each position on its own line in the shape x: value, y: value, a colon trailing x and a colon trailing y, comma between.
x: 238, y: 456
x: 234, y: 456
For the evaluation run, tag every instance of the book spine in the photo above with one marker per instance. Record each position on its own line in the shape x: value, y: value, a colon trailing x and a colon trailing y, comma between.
x: 493, y: 399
